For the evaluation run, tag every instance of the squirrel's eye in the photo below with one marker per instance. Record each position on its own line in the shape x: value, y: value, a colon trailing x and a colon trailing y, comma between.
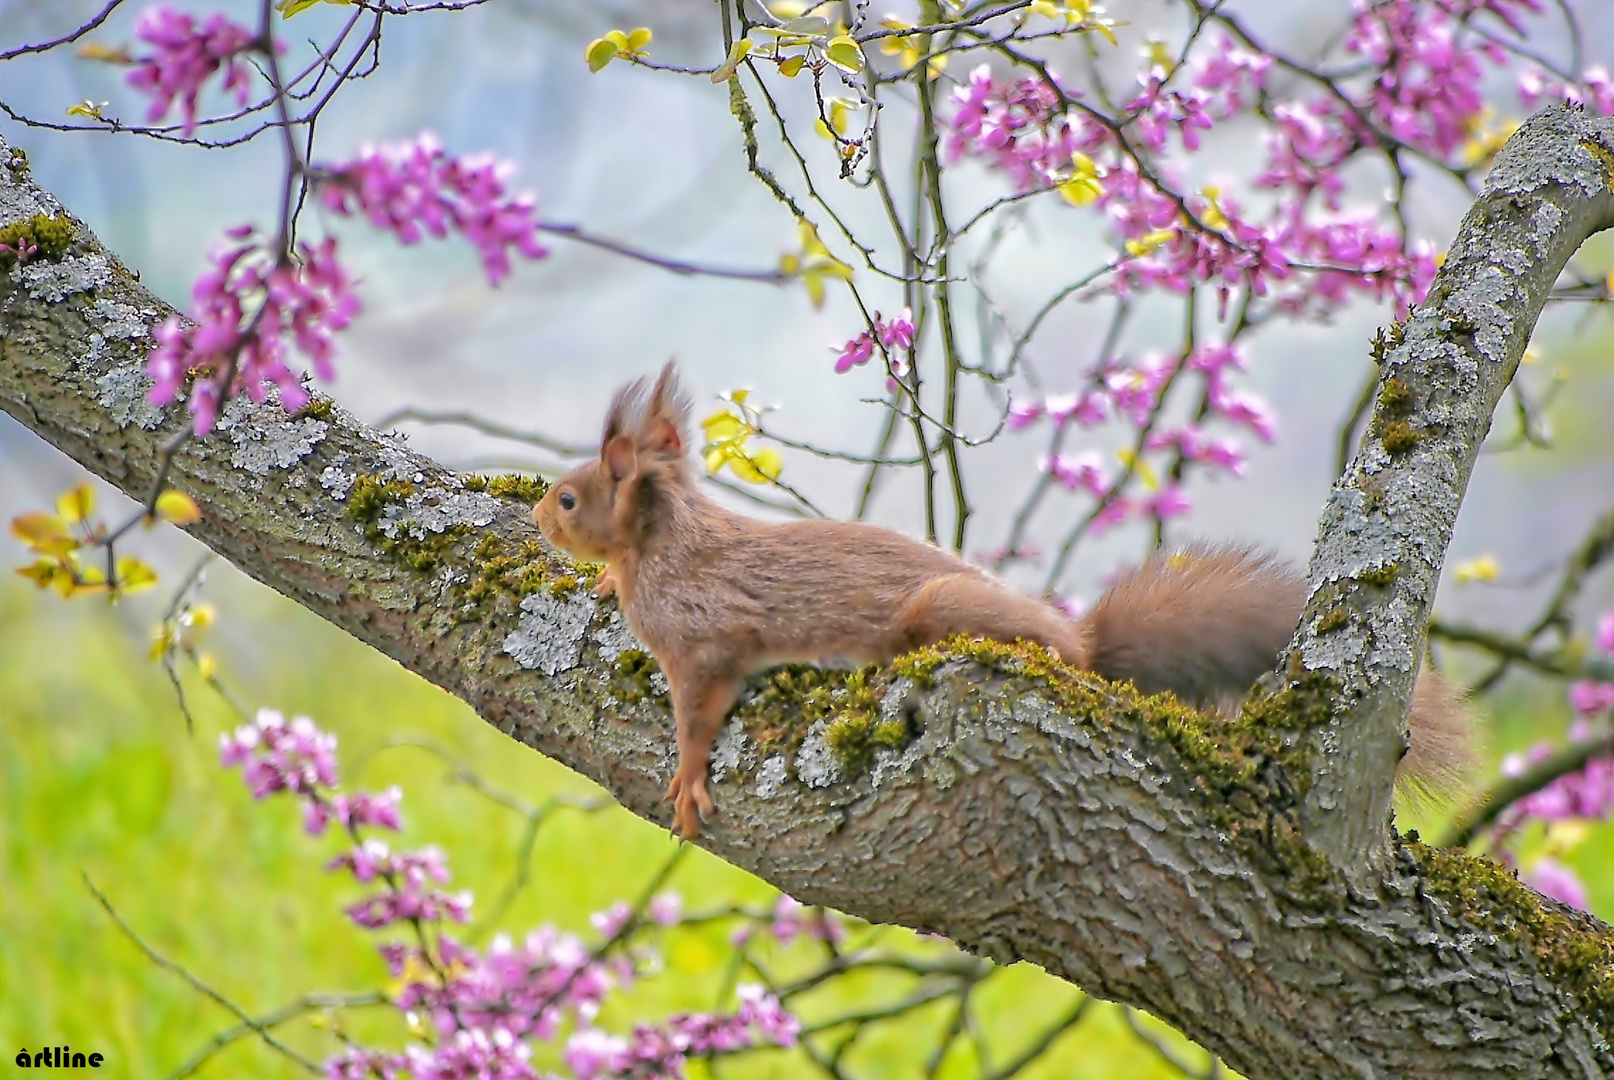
x: 568, y: 501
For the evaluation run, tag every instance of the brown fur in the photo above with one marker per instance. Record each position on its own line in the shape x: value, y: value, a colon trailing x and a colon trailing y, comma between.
x: 717, y: 596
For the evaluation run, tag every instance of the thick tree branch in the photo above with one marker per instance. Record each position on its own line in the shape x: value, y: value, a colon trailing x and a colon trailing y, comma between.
x: 1384, y: 532
x: 1149, y: 854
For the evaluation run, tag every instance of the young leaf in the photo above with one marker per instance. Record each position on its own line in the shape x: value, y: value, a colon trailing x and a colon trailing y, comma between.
x: 75, y: 504
x: 844, y: 53
x: 601, y: 51
x: 726, y: 70
x: 178, y: 508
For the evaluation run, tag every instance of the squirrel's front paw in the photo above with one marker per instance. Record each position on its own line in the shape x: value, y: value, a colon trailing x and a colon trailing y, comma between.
x: 604, y: 585
x: 690, y: 800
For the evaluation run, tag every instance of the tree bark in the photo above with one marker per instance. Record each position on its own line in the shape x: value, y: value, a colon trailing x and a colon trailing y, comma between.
x: 1238, y: 879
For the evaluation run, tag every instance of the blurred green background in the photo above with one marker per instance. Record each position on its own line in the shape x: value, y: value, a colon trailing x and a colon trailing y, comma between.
x: 101, y: 779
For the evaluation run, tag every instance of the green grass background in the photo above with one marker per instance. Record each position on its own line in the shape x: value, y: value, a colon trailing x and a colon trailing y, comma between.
x: 99, y: 777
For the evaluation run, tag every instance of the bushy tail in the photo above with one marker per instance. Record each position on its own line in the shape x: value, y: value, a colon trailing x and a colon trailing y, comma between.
x: 1206, y: 622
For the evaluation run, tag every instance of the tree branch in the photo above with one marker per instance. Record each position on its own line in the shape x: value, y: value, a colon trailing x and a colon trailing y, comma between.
x: 1384, y: 532
x: 1149, y: 854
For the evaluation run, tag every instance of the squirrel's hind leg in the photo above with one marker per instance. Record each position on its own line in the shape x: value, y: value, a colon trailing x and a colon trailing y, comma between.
x: 981, y: 607
x: 700, y: 701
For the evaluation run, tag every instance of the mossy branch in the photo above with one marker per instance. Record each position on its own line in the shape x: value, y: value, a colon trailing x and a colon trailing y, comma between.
x: 1149, y: 854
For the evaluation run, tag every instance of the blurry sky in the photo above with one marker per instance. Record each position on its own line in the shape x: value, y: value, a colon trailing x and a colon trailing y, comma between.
x: 655, y: 160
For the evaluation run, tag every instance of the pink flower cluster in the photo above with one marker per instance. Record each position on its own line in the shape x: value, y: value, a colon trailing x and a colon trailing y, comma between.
x: 416, y: 189
x: 1426, y: 78
x: 656, y: 1051
x: 184, y: 56
x: 1157, y: 111
x: 1590, y: 696
x: 485, y: 1006
x: 525, y: 990
x: 296, y: 757
x: 1017, y: 126
x: 242, y: 313
x: 1595, y: 89
x: 895, y: 339
x: 405, y: 896
x: 1587, y: 794
x: 279, y: 756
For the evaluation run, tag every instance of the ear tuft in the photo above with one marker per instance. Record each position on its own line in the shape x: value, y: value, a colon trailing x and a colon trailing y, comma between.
x: 664, y: 426
x: 626, y: 407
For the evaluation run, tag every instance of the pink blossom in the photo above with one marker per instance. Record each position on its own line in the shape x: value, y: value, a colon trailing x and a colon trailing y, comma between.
x: 1605, y: 633
x: 666, y: 908
x: 1231, y: 72
x: 1022, y: 414
x: 1590, y: 698
x: 898, y: 333
x: 1168, y: 502
x: 1553, y: 879
x: 854, y: 353
x: 184, y: 56
x: 1077, y: 472
x: 356, y: 1064
x: 791, y: 918
x: 242, y: 312
x: 1111, y: 514
x: 1087, y: 409
x: 475, y: 1053
x: 276, y: 756
x: 610, y: 922
x: 415, y: 188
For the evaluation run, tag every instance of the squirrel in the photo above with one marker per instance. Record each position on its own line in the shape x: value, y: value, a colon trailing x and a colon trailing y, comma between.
x: 717, y: 596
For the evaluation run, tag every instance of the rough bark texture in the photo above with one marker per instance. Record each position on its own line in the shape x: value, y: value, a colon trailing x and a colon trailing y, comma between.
x: 1383, y: 535
x: 1237, y: 879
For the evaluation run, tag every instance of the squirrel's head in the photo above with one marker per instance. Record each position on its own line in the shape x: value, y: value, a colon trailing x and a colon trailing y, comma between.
x: 608, y: 506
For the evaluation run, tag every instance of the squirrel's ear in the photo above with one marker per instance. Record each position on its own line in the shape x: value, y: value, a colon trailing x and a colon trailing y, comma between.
x: 624, y: 407
x: 665, y: 429
x: 620, y: 458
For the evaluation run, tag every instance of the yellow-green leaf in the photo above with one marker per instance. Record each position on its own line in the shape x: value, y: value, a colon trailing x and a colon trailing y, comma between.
x: 1479, y: 568
x: 288, y: 8
x: 75, y: 504
x: 1081, y: 190
x: 601, y: 51
x: 726, y: 70
x: 41, y: 572
x: 768, y: 462
x: 134, y: 575
x: 37, y: 528
x: 844, y: 53
x: 806, y: 25
x: 790, y: 66
x: 638, y: 39
x: 178, y: 508
x: 87, y: 108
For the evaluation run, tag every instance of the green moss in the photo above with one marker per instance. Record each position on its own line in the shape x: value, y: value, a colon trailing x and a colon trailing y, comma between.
x: 1380, y: 575
x: 368, y: 499
x: 634, y: 667
x: 474, y: 482
x: 1576, y: 952
x: 319, y: 407
x: 1605, y: 157
x: 370, y: 495
x: 514, y: 486
x: 1399, y: 437
x: 50, y: 236
x: 1333, y: 620
x: 1396, y: 397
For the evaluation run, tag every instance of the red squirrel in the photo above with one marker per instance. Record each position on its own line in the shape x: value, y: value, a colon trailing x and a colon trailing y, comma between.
x: 716, y: 596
